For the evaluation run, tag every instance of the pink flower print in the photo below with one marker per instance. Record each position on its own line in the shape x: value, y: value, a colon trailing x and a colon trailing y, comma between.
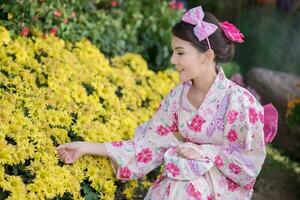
x: 162, y: 131
x: 231, y: 116
x: 145, y: 155
x: 261, y: 117
x: 250, y: 185
x: 191, y: 191
x: 196, y: 123
x: 250, y: 97
x: 168, y: 189
x: 252, y: 115
x: 173, y: 128
x: 124, y: 173
x: 219, y: 161
x: 117, y: 144
x: 210, y: 197
x: 232, y: 186
x: 173, y: 169
x: 234, y: 168
x: 232, y: 135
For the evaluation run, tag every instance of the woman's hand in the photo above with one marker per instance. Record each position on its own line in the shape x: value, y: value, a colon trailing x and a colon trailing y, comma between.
x: 190, y: 151
x: 70, y: 152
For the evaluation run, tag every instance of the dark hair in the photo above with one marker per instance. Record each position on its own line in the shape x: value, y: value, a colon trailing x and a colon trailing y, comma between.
x: 222, y: 46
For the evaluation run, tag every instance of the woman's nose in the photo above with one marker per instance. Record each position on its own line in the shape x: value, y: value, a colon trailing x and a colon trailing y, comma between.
x: 173, y: 59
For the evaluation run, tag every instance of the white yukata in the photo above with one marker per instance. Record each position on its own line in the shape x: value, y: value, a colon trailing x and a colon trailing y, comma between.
x: 227, y: 131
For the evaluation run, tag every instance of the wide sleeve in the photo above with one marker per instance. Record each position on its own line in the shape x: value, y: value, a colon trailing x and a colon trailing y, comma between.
x: 133, y: 159
x: 242, y: 153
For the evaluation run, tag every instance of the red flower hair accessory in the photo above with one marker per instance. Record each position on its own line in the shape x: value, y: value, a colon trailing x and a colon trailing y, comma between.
x: 231, y: 32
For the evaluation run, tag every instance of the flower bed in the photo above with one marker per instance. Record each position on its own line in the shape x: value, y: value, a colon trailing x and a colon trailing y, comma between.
x: 53, y: 92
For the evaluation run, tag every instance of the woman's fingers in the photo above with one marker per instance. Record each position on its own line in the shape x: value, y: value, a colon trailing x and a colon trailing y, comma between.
x: 69, y: 156
x: 67, y: 146
x: 61, y: 147
x: 63, y: 155
x: 69, y: 152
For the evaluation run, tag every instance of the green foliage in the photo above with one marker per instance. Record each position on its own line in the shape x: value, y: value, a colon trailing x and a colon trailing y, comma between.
x: 230, y: 68
x: 271, y: 39
x: 293, y: 114
x: 89, y: 192
x: 213, y: 6
x: 129, y: 26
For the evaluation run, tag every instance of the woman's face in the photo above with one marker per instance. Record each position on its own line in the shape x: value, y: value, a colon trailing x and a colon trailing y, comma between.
x: 188, y: 61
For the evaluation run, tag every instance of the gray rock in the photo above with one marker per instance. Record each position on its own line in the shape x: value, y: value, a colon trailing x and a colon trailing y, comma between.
x: 278, y: 88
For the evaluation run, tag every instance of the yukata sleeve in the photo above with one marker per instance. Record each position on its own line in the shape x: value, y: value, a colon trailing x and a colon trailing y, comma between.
x: 242, y: 153
x: 133, y: 159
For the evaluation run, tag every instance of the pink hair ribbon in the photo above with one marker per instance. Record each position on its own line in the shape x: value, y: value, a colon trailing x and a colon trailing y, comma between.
x: 202, y: 29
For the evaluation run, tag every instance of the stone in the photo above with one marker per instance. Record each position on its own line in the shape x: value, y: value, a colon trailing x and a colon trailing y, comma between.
x: 278, y: 88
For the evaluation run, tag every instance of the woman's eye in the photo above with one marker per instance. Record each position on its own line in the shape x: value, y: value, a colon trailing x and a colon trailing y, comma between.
x: 180, y: 53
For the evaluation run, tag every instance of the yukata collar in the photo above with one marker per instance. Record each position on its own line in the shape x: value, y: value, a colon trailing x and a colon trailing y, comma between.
x: 216, y: 91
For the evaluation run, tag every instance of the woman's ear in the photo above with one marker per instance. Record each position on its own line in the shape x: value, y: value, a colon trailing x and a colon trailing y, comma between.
x: 210, y: 54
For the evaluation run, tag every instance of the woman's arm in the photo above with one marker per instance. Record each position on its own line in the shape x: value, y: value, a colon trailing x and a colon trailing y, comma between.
x: 70, y: 152
x: 95, y: 148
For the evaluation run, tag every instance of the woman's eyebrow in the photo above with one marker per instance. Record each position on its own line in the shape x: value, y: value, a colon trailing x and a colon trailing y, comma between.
x: 179, y: 48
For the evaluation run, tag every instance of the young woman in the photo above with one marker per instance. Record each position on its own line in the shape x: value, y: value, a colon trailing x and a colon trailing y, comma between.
x: 208, y: 131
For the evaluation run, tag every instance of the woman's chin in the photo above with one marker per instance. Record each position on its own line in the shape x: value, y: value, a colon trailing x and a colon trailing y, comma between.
x: 182, y: 80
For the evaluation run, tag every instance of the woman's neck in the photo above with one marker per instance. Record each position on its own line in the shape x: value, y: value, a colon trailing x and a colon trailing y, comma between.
x: 203, y: 83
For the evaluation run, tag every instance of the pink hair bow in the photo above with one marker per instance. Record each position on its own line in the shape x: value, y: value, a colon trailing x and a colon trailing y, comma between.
x: 202, y: 29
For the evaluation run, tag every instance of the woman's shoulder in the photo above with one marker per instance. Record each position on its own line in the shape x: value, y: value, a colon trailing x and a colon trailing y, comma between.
x: 242, y: 96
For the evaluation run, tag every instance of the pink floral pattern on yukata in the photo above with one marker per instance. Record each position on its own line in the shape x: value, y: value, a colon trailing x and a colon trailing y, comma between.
x: 125, y: 173
x: 210, y: 197
x: 231, y: 116
x: 261, y: 117
x: 219, y: 161
x: 173, y: 169
x: 196, y: 123
x: 250, y: 97
x: 162, y: 131
x: 250, y: 185
x: 117, y: 144
x: 232, y: 135
x: 193, y: 192
x: 252, y: 115
x: 145, y: 155
x: 232, y: 186
x: 235, y: 158
x: 165, y: 130
x: 234, y: 168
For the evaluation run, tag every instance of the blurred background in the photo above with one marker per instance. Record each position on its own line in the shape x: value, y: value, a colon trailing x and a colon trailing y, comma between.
x: 267, y: 63
x: 271, y: 27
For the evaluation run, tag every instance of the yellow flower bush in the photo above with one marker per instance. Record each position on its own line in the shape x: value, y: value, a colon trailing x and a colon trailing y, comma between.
x: 53, y: 92
x: 293, y: 114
